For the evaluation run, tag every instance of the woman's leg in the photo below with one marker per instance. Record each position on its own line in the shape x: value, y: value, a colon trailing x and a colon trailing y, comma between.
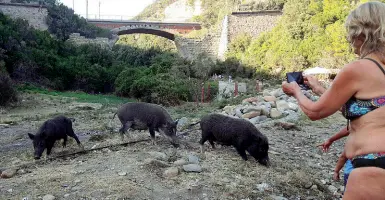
x: 366, y: 183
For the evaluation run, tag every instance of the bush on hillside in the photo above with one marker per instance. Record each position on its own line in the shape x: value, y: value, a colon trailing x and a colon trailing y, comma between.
x: 62, y: 21
x: 7, y: 91
x: 310, y: 33
x: 126, y: 79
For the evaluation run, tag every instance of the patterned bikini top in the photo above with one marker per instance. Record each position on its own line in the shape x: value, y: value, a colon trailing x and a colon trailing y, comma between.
x: 355, y: 108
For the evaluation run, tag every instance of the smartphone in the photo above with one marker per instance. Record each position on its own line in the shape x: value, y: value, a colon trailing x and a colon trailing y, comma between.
x: 294, y: 76
x: 297, y: 77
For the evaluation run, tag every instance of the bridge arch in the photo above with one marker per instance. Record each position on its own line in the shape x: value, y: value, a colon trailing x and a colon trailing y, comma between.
x: 151, y: 31
x: 184, y: 46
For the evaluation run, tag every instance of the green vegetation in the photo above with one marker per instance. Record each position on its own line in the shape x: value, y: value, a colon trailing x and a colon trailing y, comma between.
x: 265, y: 5
x: 62, y: 21
x: 7, y: 91
x: 79, y: 96
x: 144, y: 72
x: 146, y: 41
x: 310, y: 33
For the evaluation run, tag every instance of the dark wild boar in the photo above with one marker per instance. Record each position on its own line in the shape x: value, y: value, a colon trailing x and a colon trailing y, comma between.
x: 143, y: 116
x: 240, y: 133
x: 49, y: 132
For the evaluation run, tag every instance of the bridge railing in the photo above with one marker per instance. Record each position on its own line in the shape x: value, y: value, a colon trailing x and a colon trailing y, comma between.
x: 108, y: 17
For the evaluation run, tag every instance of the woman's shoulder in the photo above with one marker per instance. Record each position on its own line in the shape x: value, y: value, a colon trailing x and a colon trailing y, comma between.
x: 356, y: 67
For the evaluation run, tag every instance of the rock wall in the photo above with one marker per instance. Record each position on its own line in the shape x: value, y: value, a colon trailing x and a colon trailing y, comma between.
x: 192, y: 48
x: 252, y: 23
x: 35, y: 15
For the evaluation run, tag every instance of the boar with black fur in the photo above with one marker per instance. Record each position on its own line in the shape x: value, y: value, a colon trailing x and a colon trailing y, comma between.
x: 147, y: 116
x: 49, y: 132
x: 240, y: 133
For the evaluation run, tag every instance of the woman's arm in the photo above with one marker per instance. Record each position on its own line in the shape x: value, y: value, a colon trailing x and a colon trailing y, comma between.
x: 343, y: 88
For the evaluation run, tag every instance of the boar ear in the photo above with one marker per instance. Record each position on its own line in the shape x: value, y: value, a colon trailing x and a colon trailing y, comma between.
x: 31, y: 136
x: 176, y: 122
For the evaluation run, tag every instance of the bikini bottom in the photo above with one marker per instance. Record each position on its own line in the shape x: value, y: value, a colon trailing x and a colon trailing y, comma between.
x: 369, y: 160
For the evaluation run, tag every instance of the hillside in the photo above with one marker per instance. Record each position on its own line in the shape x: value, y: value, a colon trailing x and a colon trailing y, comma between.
x: 312, y: 32
x: 212, y: 11
x: 155, y: 11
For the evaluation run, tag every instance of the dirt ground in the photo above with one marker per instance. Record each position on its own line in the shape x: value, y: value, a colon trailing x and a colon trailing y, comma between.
x: 299, y: 170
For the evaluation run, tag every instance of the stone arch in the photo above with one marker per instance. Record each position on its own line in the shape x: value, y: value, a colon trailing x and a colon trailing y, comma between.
x: 151, y: 31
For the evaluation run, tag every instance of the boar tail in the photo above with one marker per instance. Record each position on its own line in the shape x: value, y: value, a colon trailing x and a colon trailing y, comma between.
x: 191, y: 125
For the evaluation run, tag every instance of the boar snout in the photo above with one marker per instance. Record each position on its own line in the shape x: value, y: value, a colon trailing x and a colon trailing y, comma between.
x: 265, y: 162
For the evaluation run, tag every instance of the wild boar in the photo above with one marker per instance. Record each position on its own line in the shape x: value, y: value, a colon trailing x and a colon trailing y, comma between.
x: 240, y: 133
x: 143, y: 116
x: 49, y: 132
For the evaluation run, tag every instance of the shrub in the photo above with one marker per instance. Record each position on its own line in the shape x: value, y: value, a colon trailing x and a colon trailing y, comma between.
x: 126, y: 79
x: 7, y: 91
x: 161, y: 88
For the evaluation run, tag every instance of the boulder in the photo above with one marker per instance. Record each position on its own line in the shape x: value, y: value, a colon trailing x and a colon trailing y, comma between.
x: 251, y: 115
x: 275, y: 113
x: 269, y: 98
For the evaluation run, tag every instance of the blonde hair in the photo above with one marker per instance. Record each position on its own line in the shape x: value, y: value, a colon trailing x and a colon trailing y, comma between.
x: 368, y: 20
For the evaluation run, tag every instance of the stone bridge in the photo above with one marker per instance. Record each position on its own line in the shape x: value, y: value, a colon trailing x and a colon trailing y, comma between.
x: 187, y: 48
x: 163, y: 29
x: 215, y: 44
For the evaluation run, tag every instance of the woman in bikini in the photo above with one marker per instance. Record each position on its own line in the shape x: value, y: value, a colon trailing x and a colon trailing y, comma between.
x: 359, y: 88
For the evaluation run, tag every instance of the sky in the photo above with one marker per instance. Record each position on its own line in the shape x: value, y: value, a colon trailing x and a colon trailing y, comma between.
x: 109, y: 9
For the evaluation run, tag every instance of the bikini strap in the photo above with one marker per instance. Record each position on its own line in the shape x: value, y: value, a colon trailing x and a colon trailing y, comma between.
x: 378, y: 64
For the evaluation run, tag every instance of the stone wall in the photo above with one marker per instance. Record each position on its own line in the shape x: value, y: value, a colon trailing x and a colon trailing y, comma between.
x: 77, y: 39
x: 252, y: 23
x: 35, y: 15
x: 192, y: 48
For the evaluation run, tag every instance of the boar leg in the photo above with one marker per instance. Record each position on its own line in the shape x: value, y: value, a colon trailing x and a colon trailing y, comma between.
x: 49, y: 148
x: 152, y: 134
x: 202, y: 141
x: 65, y: 141
x: 212, y: 143
x: 73, y: 135
x: 125, y: 127
x: 241, y: 152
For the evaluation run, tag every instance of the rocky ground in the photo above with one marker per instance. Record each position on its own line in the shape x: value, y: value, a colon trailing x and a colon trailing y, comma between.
x: 143, y: 171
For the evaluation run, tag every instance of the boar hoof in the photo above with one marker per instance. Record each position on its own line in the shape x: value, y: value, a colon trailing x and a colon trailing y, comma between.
x: 81, y: 147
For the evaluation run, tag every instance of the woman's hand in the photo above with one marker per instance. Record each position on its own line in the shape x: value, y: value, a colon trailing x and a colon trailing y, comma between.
x: 290, y: 89
x: 311, y: 81
x: 314, y: 84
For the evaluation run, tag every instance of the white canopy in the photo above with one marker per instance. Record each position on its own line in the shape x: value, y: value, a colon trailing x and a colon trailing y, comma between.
x: 317, y: 70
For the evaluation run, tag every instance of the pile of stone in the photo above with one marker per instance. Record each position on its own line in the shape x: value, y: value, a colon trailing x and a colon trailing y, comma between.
x: 272, y: 105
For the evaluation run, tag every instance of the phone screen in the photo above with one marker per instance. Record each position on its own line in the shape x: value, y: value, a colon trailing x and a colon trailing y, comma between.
x: 297, y: 77
x: 294, y: 76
